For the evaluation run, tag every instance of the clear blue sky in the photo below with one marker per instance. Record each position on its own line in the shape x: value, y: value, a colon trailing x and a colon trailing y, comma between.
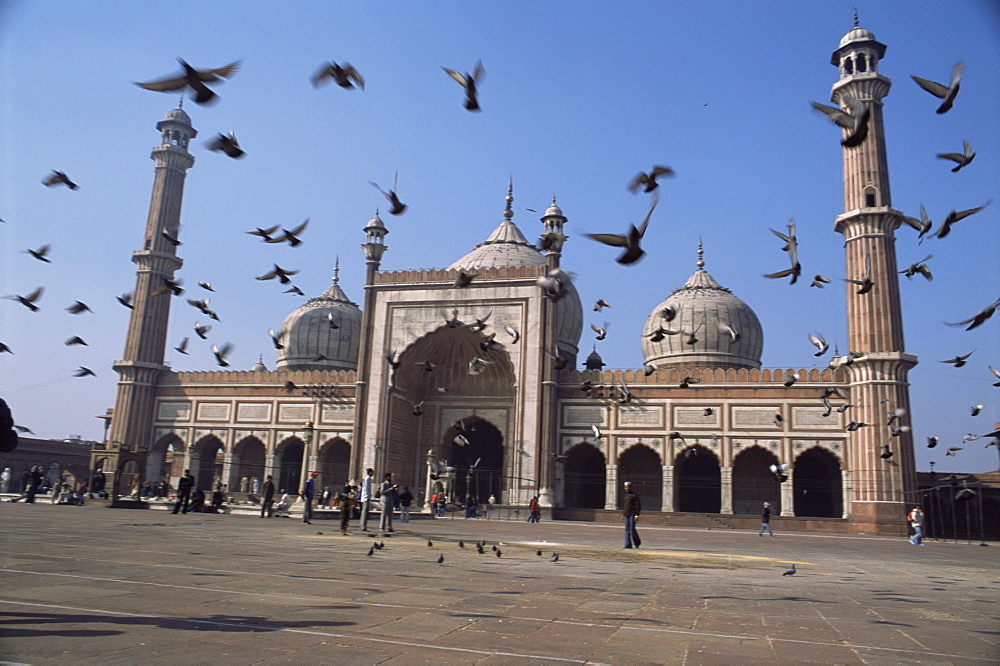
x: 578, y: 97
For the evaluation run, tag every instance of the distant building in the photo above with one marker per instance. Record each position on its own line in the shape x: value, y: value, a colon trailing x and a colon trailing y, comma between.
x: 67, y: 459
x: 474, y: 367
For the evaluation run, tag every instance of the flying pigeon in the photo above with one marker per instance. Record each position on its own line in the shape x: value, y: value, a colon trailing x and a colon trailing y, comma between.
x: 856, y: 122
x: 397, y: 206
x: 945, y: 93
x: 41, y: 253
x: 962, y: 159
x: 344, y: 75
x: 226, y: 143
x: 194, y: 79
x: 647, y: 181
x: 59, y: 178
x: 469, y: 82
x: 630, y: 240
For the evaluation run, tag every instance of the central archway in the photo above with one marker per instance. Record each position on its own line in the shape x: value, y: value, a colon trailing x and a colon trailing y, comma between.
x: 817, y: 489
x: 478, y: 464
x: 753, y: 482
x: 248, y: 462
x: 206, y: 462
x: 641, y: 466
x: 290, y: 454
x: 699, y: 481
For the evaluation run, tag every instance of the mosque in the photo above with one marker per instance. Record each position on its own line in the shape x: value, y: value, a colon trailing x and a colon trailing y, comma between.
x: 479, y: 389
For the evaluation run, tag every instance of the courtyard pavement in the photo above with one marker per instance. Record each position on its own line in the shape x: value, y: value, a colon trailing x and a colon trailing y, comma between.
x: 89, y: 585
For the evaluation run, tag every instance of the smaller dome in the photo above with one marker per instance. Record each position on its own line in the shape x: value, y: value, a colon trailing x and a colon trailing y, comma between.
x: 259, y: 365
x: 375, y: 223
x: 594, y: 361
x: 857, y: 34
x: 311, y: 342
x: 178, y: 115
x: 554, y: 209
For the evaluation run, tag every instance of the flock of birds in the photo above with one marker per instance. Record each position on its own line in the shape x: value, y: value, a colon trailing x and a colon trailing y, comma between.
x: 553, y: 286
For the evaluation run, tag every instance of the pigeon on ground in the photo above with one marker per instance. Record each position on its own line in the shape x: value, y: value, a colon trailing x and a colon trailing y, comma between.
x: 790, y: 571
x: 945, y: 93
x: 194, y: 79
x: 554, y: 558
x: 469, y: 82
x: 440, y: 559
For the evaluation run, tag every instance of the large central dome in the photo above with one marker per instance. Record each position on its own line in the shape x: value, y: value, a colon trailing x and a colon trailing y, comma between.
x: 703, y: 324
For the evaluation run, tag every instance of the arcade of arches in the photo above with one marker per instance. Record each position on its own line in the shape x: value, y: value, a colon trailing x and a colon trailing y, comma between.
x: 697, y: 483
x: 209, y: 462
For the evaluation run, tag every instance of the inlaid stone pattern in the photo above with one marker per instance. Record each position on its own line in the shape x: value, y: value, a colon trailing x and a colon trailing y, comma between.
x: 641, y: 415
x: 336, y: 413
x: 655, y: 443
x: 294, y: 413
x: 240, y: 435
x: 834, y: 446
x: 695, y: 416
x: 812, y: 417
x: 253, y: 411
x: 582, y: 415
x: 772, y: 445
x: 749, y: 417
x: 174, y: 411
x: 213, y: 411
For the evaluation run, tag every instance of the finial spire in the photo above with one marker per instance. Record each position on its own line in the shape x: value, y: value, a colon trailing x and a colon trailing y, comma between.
x: 336, y: 270
x: 701, y: 262
x: 855, y: 17
x: 180, y: 104
x: 508, y: 211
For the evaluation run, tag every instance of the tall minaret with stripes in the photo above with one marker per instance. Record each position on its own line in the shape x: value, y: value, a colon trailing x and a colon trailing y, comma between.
x: 879, y: 484
x: 157, y: 261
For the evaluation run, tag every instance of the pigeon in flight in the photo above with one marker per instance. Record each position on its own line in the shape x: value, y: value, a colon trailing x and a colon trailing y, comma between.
x: 344, y: 75
x: 202, y: 331
x: 513, y: 333
x: 76, y: 340
x: 275, y: 338
x: 222, y: 353
x: 290, y: 235
x: 647, y: 181
x: 226, y: 143
x: 932, y: 442
x: 954, y: 216
x: 945, y: 93
x: 41, y: 253
x: 952, y: 450
x: 170, y: 238
x: 59, y: 178
x: 959, y: 361
x: 819, y: 281
x: 84, y: 371
x: 866, y: 282
x: 126, y: 300
x: 600, y: 304
x: 975, y: 409
x: 470, y: 83
x: 630, y: 240
x: 78, y: 307
x: 29, y: 300
x: 280, y: 273
x: 919, y: 267
x: 194, y: 79
x: 398, y: 207
x: 464, y: 278
x: 264, y: 233
x: 821, y: 344
x: 961, y: 159
x: 602, y: 332
x: 923, y: 225
x: 182, y: 347
x: 978, y: 318
x: 856, y: 122
x: 792, y: 248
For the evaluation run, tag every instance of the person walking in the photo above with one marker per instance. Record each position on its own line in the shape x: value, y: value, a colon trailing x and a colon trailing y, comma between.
x: 630, y: 514
x: 347, y: 504
x: 34, y: 483
x: 765, y: 520
x: 308, y: 493
x: 365, y: 497
x: 405, y: 499
x: 184, y: 486
x: 267, y: 499
x: 916, y: 519
x: 388, y: 491
x: 534, y: 512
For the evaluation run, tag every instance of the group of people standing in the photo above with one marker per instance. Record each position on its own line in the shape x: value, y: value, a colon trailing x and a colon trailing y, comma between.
x: 359, y: 497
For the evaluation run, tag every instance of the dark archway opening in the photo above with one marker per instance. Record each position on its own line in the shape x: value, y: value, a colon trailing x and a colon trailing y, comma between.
x: 817, y: 487
x: 248, y: 463
x: 585, y: 477
x: 478, y: 464
x: 334, y: 464
x: 699, y: 481
x: 753, y: 482
x: 641, y: 466
x: 207, y: 463
x: 290, y: 466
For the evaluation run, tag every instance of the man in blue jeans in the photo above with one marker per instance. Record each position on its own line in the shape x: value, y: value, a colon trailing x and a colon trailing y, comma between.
x: 765, y: 520
x: 630, y: 515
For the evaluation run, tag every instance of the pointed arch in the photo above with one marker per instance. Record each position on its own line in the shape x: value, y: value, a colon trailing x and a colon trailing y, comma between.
x: 585, y: 475
x: 641, y: 466
x: 207, y: 455
x: 165, y: 460
x: 479, y: 464
x: 753, y: 482
x: 698, y: 486
x: 289, y: 453
x: 249, y: 460
x: 333, y: 463
x: 817, y: 484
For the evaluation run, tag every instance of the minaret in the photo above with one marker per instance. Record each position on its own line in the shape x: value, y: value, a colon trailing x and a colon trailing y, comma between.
x: 878, y: 374
x: 374, y: 247
x: 551, y: 241
x: 142, y: 361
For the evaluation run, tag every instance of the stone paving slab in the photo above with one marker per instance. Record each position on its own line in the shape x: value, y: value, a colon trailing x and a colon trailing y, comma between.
x: 151, y: 587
